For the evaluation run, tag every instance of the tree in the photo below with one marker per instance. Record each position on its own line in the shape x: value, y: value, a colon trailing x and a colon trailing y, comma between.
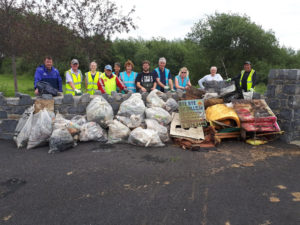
x: 93, y: 21
x: 230, y: 39
x: 11, y: 41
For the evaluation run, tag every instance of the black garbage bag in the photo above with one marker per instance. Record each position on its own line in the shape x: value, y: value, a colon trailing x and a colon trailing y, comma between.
x: 46, y: 88
x: 237, y: 94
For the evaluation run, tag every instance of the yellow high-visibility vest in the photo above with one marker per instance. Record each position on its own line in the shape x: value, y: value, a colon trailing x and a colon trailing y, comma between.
x: 76, y: 81
x: 92, y: 83
x: 109, y: 84
x: 249, y: 80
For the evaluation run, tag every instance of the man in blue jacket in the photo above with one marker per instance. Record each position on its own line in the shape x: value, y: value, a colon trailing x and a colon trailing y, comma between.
x: 49, y: 74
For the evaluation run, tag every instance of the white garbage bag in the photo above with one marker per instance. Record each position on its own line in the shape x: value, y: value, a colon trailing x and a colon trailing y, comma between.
x: 117, y: 132
x: 161, y: 130
x: 132, y: 106
x: 100, y: 111
x: 80, y: 120
x: 159, y: 114
x: 153, y: 99
x: 132, y: 122
x: 171, y: 105
x: 23, y: 128
x: 145, y: 138
x: 91, y: 131
x: 41, y: 128
x: 60, y: 122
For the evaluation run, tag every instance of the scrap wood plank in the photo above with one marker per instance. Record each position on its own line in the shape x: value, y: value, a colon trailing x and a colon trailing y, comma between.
x: 177, y: 131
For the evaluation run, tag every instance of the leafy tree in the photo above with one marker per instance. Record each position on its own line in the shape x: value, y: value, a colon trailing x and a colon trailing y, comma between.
x: 93, y: 21
x: 11, y: 42
x: 230, y: 39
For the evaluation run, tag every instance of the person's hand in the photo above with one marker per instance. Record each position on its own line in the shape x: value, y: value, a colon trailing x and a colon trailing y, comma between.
x: 228, y: 80
x: 251, y: 89
x: 166, y: 88
x: 77, y: 92
x: 153, y: 89
x: 125, y: 90
x: 60, y: 93
x: 36, y: 91
x: 172, y: 90
x: 187, y: 87
x: 143, y: 89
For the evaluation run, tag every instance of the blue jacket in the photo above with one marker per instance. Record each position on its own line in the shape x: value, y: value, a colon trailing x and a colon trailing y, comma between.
x: 52, y: 77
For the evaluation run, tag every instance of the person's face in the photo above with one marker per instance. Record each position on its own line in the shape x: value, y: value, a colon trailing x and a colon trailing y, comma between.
x: 183, y: 73
x: 48, y: 63
x: 162, y: 64
x: 93, y: 67
x: 108, y: 72
x: 213, y: 71
x: 247, y: 67
x: 75, y: 66
x: 128, y: 67
x: 117, y: 68
x: 146, y: 67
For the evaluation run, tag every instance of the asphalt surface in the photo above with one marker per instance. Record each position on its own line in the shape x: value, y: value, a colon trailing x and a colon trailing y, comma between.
x: 122, y: 184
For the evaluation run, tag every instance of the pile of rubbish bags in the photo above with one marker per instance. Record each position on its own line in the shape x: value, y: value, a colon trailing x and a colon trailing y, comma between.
x: 135, y: 123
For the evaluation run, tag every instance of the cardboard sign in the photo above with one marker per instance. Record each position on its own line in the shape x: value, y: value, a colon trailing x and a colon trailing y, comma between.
x: 192, y: 113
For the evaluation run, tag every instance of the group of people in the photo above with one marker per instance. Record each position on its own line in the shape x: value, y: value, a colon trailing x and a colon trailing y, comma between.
x: 114, y: 80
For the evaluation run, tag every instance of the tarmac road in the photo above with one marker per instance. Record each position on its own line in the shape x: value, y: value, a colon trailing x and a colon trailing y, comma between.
x: 122, y: 184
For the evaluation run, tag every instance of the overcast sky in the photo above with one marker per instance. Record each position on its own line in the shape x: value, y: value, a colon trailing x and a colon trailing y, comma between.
x: 173, y: 19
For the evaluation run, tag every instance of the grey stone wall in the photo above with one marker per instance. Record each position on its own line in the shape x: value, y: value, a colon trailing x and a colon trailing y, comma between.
x: 11, y: 109
x: 283, y: 97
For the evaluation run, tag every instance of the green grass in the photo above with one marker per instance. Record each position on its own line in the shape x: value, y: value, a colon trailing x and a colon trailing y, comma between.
x: 25, y: 84
x: 261, y: 88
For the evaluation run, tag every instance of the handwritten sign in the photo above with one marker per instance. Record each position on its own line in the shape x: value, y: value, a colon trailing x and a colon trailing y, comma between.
x: 192, y: 113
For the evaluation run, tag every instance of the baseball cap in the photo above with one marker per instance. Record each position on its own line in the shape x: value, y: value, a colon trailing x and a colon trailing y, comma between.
x: 74, y: 61
x: 108, y: 67
x: 247, y: 62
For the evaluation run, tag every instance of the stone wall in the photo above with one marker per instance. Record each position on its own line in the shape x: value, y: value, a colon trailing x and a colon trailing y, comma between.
x: 283, y: 97
x: 11, y: 109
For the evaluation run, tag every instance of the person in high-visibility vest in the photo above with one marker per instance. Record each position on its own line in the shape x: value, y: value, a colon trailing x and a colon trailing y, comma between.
x: 247, y: 78
x: 109, y: 82
x: 128, y: 76
x: 73, y: 79
x: 164, y: 77
x: 91, y: 79
x: 182, y: 80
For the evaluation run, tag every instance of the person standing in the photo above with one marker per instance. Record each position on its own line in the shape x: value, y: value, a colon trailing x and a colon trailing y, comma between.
x: 164, y: 77
x: 91, y: 79
x: 109, y: 82
x: 146, y: 80
x: 117, y: 69
x: 182, y: 80
x: 73, y: 79
x: 48, y: 73
x: 213, y: 76
x: 128, y: 76
x: 246, y: 79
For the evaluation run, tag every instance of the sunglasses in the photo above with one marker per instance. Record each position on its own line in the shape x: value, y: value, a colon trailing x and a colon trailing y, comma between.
x: 183, y: 72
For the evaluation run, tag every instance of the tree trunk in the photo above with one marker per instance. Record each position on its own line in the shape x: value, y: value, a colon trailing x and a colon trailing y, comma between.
x: 14, y: 69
